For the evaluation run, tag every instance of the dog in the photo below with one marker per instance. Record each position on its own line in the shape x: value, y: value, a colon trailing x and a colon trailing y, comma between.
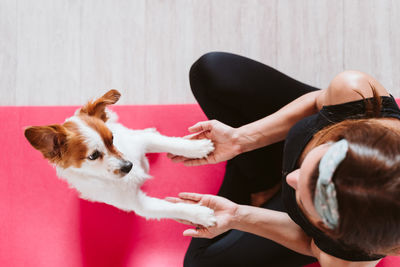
x: 106, y: 162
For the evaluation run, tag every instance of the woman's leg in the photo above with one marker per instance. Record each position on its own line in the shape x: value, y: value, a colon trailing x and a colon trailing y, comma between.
x: 236, y: 248
x: 236, y: 91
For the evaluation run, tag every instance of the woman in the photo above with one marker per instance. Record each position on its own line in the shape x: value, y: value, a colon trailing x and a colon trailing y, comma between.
x: 322, y: 167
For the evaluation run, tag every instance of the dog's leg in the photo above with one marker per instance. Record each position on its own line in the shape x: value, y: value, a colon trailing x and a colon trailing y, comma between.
x: 156, y: 143
x: 154, y: 208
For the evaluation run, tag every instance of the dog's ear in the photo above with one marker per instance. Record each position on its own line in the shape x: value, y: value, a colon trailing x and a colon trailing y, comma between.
x: 50, y: 140
x: 97, y: 108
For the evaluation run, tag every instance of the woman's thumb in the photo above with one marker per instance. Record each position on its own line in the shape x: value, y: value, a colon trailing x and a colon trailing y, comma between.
x: 191, y: 232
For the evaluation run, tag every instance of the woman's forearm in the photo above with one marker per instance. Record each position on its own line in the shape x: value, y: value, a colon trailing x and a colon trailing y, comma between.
x: 274, y: 225
x: 275, y: 127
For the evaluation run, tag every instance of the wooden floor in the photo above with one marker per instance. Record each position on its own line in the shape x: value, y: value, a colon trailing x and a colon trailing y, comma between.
x: 63, y: 52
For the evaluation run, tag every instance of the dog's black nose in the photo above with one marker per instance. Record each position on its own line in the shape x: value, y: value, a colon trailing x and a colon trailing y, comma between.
x: 126, y: 167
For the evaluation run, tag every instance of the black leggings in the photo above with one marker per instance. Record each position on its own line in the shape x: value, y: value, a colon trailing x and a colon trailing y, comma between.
x: 236, y: 91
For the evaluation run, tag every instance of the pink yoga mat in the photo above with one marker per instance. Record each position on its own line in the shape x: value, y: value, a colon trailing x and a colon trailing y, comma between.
x: 43, y: 222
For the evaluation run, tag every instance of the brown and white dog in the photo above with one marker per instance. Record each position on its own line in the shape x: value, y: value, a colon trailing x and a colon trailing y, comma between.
x: 106, y: 161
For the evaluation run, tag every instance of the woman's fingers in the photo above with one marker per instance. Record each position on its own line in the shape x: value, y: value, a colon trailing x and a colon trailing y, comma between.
x: 191, y: 196
x: 186, y: 222
x: 173, y: 199
x: 193, y: 136
x: 200, y: 127
x: 191, y: 232
x: 198, y: 232
x: 177, y: 159
x: 194, y: 162
x: 179, y: 200
x: 188, y: 162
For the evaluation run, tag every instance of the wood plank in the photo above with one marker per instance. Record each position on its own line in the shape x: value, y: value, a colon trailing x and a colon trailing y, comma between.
x: 112, y: 49
x: 372, y: 40
x: 8, y: 51
x: 48, y: 70
x: 246, y: 27
x: 168, y: 41
x: 310, y: 40
x: 198, y: 27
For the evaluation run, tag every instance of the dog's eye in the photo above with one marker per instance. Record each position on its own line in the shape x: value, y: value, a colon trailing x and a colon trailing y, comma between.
x: 94, y: 155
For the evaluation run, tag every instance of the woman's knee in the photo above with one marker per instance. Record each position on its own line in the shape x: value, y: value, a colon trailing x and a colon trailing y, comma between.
x: 204, y: 71
x: 206, y: 63
x: 201, y: 252
x: 191, y: 260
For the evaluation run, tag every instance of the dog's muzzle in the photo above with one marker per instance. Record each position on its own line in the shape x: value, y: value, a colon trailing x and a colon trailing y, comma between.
x: 126, y: 167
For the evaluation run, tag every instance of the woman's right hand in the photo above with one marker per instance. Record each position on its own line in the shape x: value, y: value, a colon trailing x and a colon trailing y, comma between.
x: 224, y: 137
x: 225, y: 212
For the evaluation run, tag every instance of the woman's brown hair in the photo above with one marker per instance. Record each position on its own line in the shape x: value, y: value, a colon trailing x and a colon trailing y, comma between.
x: 367, y: 182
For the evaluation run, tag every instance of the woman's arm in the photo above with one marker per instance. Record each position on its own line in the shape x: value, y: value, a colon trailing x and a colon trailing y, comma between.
x: 274, y: 225
x: 344, y: 87
x: 230, y: 142
x: 276, y: 126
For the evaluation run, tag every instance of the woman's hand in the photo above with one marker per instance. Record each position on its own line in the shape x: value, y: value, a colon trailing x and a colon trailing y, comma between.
x: 224, y: 137
x: 224, y: 210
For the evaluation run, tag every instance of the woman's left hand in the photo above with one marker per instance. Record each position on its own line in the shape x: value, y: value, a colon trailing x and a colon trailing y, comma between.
x: 224, y: 211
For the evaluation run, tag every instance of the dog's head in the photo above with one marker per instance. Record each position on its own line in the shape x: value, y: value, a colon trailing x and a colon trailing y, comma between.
x: 83, y: 143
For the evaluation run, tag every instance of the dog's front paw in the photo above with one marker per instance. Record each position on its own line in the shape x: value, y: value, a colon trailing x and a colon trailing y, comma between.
x: 204, y: 216
x: 197, y: 149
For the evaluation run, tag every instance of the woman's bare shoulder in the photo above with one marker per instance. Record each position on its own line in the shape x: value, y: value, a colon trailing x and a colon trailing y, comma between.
x: 326, y: 260
x: 344, y: 87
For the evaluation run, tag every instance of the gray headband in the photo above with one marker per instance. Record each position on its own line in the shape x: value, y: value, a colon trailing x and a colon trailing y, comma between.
x: 325, y: 201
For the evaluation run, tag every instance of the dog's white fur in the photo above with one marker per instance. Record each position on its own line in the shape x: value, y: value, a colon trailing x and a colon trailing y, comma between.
x: 96, y: 181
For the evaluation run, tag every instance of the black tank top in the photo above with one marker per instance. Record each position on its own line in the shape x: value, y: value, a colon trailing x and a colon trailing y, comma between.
x: 298, y: 137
